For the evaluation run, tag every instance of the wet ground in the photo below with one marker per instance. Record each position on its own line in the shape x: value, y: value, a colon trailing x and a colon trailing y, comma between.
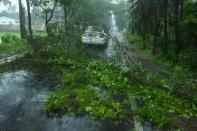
x: 23, y: 93
x: 10, y: 58
x: 108, y: 52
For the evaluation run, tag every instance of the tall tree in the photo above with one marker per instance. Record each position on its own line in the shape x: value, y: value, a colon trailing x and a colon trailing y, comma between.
x: 48, y: 7
x: 156, y: 29
x: 177, y: 33
x: 29, y: 19
x: 66, y: 4
x: 22, y: 20
x: 181, y: 9
x: 165, y: 14
x: 144, y: 22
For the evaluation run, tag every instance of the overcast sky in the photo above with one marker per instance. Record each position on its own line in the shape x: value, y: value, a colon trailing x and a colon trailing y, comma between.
x: 13, y: 2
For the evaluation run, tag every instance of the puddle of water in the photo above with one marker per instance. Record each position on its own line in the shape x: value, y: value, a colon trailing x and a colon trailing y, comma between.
x: 41, y: 97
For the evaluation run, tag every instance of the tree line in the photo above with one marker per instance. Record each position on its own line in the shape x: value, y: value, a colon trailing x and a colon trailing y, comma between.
x: 172, y: 25
x: 76, y: 13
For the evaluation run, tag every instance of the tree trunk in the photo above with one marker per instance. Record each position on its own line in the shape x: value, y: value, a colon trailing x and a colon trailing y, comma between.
x: 165, y: 44
x: 157, y: 25
x: 181, y: 9
x: 176, y: 26
x: 29, y: 19
x: 144, y: 40
x: 22, y: 20
x: 143, y: 19
x: 46, y: 22
x: 65, y: 19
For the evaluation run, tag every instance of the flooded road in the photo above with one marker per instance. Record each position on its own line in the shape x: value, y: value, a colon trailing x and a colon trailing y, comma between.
x: 108, y: 52
x: 23, y: 94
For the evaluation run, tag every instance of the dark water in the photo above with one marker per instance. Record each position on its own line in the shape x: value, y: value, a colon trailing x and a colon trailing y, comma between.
x: 23, y: 94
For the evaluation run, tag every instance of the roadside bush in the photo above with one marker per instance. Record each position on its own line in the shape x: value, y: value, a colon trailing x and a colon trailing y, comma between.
x: 11, y: 44
x: 178, y: 77
x: 188, y: 59
x: 8, y: 38
x: 133, y: 38
x: 182, y: 79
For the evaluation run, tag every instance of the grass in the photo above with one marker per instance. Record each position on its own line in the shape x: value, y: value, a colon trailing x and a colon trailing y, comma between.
x: 18, y: 33
x: 12, y: 49
x: 12, y: 44
x: 11, y: 33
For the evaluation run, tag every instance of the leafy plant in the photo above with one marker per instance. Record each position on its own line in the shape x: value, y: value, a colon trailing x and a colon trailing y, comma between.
x: 11, y: 44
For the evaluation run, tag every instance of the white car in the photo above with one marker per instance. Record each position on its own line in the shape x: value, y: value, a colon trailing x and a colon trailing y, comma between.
x: 92, y: 37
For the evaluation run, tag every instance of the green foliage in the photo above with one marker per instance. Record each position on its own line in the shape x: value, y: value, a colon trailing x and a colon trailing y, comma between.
x: 9, y: 38
x: 57, y: 103
x: 59, y: 48
x: 182, y: 74
x: 78, y: 95
x: 109, y: 76
x: 188, y: 31
x: 77, y: 87
x: 179, y: 77
x: 159, y: 105
x: 133, y: 38
x: 188, y: 59
x: 147, y: 15
x: 182, y: 79
x: 11, y: 44
x: 83, y: 99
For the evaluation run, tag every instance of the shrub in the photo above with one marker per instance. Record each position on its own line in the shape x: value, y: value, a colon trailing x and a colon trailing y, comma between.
x: 187, y: 59
x: 8, y: 38
x: 179, y: 77
x: 133, y: 38
x: 11, y: 44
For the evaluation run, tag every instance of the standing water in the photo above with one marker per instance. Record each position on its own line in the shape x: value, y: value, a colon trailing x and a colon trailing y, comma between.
x: 23, y: 94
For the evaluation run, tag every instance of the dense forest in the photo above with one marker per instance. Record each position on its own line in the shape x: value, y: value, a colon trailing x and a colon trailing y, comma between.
x: 167, y: 29
x: 86, y: 65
